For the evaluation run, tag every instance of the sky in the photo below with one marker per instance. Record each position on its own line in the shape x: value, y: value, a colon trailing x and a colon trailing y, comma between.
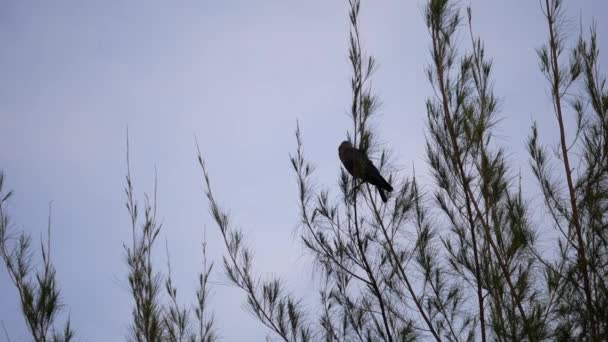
x: 237, y: 75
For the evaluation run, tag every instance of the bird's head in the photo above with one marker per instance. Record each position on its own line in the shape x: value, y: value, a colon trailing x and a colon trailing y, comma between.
x: 344, y: 145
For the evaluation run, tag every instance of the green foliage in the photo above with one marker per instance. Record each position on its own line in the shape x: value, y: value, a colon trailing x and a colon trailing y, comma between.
x: 267, y: 300
x: 153, y: 319
x: 38, y: 290
x: 492, y: 241
x: 144, y: 283
x: 576, y: 279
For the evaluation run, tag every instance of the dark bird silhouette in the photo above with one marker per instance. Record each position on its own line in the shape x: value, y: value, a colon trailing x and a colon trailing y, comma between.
x: 359, y: 166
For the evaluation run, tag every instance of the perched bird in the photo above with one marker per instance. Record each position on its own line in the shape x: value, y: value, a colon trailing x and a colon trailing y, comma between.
x: 359, y: 166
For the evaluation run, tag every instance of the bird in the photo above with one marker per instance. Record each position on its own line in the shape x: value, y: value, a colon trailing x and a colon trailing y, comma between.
x: 359, y: 166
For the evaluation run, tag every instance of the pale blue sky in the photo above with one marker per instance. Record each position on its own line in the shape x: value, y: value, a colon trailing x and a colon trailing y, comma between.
x: 237, y: 74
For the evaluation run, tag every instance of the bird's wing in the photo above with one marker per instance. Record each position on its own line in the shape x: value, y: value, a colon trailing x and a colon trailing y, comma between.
x: 361, y: 163
x: 371, y: 171
x: 348, y: 160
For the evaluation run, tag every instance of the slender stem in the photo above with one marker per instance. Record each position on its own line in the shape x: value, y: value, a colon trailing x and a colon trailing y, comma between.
x: 402, y: 273
x: 462, y: 174
x: 5, y: 332
x: 368, y: 269
x: 480, y: 298
x: 582, y: 259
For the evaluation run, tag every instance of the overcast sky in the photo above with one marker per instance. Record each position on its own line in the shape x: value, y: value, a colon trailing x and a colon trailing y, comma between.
x: 237, y: 74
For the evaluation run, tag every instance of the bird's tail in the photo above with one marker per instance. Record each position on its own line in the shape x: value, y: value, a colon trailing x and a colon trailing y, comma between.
x: 382, y: 194
x: 384, y: 185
